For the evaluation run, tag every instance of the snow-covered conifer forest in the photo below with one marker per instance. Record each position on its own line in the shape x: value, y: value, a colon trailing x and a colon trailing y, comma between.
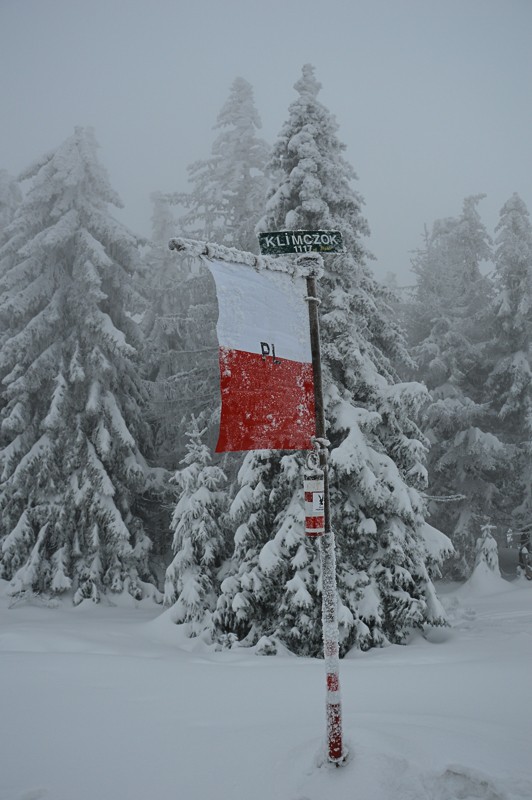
x: 113, y: 500
x: 110, y: 398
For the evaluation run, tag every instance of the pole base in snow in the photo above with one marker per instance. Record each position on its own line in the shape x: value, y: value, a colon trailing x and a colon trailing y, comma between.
x: 324, y: 759
x: 339, y: 762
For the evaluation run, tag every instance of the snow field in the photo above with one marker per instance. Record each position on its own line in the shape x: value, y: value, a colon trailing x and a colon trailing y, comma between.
x: 101, y: 703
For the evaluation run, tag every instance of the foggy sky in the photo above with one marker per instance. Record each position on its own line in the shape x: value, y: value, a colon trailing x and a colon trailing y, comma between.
x: 433, y: 99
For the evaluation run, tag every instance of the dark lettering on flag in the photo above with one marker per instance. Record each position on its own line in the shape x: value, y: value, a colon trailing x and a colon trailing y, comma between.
x: 267, y: 350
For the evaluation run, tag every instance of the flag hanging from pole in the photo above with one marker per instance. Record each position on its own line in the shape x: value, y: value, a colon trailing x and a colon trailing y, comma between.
x: 266, y: 376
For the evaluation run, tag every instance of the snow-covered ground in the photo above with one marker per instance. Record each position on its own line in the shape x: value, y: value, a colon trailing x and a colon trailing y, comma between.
x: 111, y: 703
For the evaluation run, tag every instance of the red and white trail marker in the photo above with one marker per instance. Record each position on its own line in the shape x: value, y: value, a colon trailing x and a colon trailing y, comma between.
x: 314, y: 488
x: 266, y: 375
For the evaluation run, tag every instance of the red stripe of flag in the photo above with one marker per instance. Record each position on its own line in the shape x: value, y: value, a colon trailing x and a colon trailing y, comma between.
x: 266, y: 403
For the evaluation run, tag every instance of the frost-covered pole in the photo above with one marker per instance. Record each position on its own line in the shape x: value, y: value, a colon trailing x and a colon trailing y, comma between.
x: 313, y: 263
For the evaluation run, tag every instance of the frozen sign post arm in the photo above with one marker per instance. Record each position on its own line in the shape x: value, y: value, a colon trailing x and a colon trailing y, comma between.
x: 312, y: 244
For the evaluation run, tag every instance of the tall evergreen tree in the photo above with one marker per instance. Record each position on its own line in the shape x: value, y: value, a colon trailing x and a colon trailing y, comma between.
x: 377, y: 449
x: 73, y: 435
x: 452, y: 299
x: 199, y: 545
x: 178, y: 326
x: 224, y: 204
x: 451, y: 291
x: 510, y: 379
x: 240, y: 608
x: 229, y: 188
x: 450, y: 332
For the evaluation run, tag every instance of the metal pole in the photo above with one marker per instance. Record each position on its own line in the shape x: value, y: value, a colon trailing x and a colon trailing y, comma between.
x: 326, y: 542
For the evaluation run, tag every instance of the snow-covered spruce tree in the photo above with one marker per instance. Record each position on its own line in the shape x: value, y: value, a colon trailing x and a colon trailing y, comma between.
x: 161, y: 327
x: 486, y: 573
x: 449, y: 334
x: 268, y: 582
x: 191, y: 584
x: 486, y: 550
x: 239, y: 610
x: 510, y: 353
x: 449, y: 283
x: 72, y: 469
x: 229, y: 188
x: 289, y: 564
x: 377, y: 450
x: 224, y: 204
x: 178, y: 327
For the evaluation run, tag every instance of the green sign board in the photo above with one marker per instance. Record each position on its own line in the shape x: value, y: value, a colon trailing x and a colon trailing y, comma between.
x: 281, y: 242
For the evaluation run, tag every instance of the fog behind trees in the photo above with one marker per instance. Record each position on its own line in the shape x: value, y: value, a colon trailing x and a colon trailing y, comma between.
x: 433, y: 100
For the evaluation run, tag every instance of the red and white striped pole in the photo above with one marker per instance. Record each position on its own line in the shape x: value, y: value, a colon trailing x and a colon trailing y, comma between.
x: 313, y: 262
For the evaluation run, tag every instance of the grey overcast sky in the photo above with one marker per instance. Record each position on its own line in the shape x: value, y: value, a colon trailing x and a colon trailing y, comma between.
x: 433, y: 99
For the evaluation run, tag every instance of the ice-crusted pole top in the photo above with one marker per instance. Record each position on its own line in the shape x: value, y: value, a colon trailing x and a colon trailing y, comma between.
x: 300, y: 267
x: 310, y: 264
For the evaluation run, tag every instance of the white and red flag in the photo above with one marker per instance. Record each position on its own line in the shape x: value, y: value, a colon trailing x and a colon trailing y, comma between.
x: 266, y: 377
